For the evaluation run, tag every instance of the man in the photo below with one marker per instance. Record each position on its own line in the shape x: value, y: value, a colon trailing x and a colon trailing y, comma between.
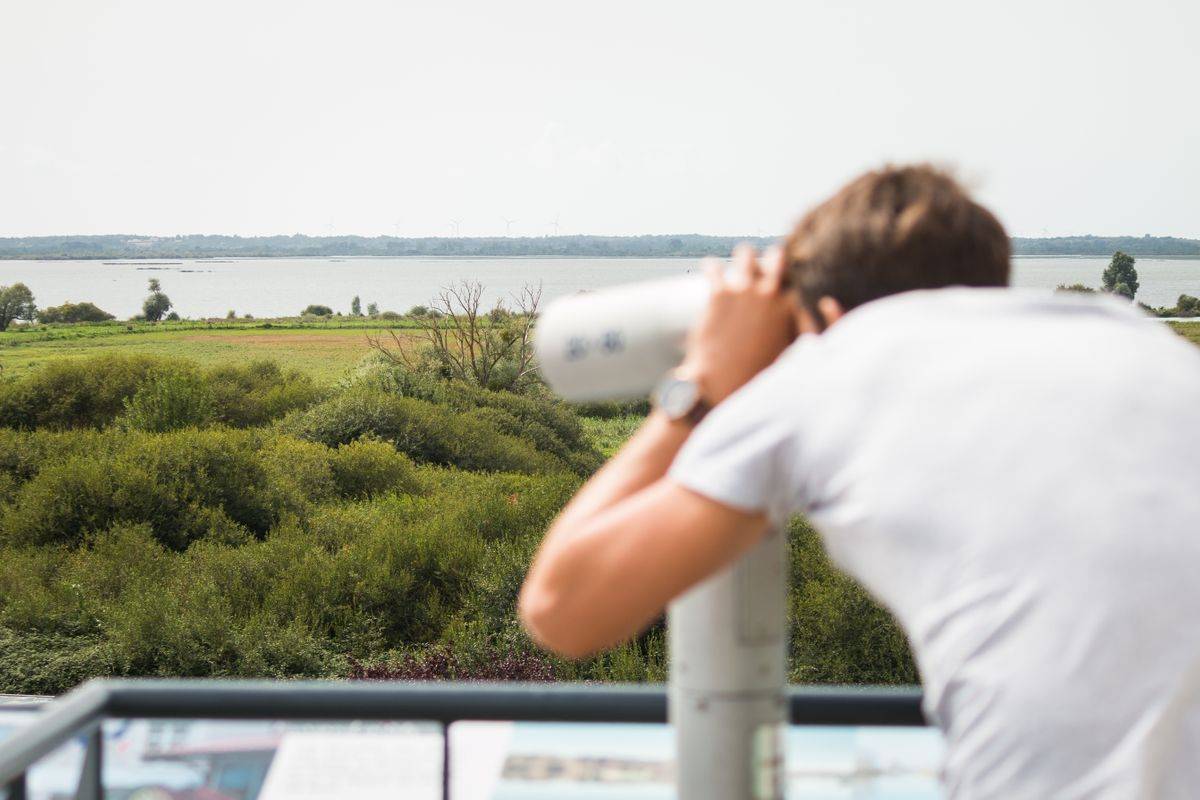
x: 1015, y: 475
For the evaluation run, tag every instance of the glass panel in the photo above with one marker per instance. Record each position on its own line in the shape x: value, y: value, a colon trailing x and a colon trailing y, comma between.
x: 56, y: 777
x: 863, y: 763
x: 539, y: 761
x: 270, y: 760
x: 11, y: 720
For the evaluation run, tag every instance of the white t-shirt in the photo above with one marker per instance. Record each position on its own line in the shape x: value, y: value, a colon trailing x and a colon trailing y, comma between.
x: 1017, y: 477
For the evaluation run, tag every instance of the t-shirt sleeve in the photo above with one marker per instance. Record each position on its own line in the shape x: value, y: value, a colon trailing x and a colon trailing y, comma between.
x: 743, y: 454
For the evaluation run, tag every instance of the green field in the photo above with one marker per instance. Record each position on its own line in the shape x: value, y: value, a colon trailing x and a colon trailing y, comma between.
x: 1188, y: 330
x: 325, y: 350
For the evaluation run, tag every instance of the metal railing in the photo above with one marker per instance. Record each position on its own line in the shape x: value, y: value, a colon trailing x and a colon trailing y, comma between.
x: 82, y: 711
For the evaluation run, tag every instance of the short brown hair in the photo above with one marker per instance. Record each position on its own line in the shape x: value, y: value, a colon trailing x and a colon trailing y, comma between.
x: 892, y: 230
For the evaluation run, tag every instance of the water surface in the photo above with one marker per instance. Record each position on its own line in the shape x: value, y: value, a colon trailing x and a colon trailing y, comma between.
x: 275, y: 287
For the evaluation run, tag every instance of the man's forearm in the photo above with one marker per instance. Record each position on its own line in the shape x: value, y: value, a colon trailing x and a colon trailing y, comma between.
x: 645, y: 458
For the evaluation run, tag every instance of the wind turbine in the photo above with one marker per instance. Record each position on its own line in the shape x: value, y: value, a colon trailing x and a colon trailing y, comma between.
x: 554, y: 223
x: 454, y: 227
x: 508, y: 223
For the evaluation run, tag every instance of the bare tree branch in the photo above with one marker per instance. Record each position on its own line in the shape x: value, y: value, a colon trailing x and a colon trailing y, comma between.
x: 470, y: 343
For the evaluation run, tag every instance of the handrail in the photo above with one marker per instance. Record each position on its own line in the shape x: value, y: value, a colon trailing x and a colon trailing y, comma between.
x: 83, y: 709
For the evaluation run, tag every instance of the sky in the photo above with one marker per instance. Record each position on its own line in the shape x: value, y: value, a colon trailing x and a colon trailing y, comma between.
x: 530, y: 118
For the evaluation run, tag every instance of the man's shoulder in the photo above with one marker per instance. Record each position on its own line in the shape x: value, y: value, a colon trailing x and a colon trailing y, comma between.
x: 959, y: 305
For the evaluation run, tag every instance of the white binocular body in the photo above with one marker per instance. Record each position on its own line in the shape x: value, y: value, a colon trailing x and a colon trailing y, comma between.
x: 618, y: 343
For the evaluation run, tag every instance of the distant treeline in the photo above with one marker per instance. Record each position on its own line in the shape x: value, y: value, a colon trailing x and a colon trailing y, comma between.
x: 1107, y: 245
x: 667, y: 246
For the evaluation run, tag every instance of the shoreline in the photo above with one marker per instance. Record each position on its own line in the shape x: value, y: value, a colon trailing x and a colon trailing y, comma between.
x: 175, y: 260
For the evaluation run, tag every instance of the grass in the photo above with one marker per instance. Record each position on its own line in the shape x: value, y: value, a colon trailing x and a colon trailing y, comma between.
x: 1188, y: 330
x: 607, y: 435
x: 324, y: 350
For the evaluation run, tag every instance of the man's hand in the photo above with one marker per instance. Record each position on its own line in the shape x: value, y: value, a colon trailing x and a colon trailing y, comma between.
x: 749, y: 321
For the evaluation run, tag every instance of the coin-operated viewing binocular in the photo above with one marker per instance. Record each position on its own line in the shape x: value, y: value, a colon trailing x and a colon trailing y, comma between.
x: 616, y: 344
x: 727, y: 634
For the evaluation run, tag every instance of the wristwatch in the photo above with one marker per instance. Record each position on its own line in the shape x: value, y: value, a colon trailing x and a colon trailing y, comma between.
x: 679, y: 398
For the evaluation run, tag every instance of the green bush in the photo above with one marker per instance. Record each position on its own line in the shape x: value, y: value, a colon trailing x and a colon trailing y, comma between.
x: 299, y: 472
x: 259, y: 392
x: 168, y: 402
x: 74, y: 312
x: 367, y: 468
x: 219, y: 484
x: 39, y: 663
x: 839, y: 634
x: 379, y: 528
x: 422, y: 430
x: 177, y: 483
x: 545, y: 422
x: 78, y: 393
x: 164, y: 393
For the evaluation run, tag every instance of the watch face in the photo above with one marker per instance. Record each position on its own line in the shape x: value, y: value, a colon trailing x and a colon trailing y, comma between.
x: 677, y: 397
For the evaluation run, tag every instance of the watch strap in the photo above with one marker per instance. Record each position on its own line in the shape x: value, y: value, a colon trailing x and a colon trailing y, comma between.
x: 699, y: 411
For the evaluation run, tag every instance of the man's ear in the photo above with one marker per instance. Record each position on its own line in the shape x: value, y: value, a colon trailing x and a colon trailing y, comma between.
x: 830, y: 310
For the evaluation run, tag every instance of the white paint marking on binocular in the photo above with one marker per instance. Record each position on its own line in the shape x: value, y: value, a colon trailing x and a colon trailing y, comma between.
x: 610, y: 343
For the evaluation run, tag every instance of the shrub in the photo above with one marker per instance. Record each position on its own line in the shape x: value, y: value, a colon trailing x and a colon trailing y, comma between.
x: 418, y: 428
x: 168, y: 402
x: 1187, y: 306
x: 366, y: 468
x: 317, y: 311
x: 78, y: 393
x: 839, y: 634
x: 38, y: 663
x: 93, y: 392
x: 545, y: 422
x: 259, y: 392
x: 370, y: 576
x: 299, y: 473
x: 184, y: 485
x: 612, y: 408
x: 74, y: 312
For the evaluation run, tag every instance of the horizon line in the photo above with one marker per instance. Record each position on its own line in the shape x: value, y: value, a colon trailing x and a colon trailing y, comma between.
x: 756, y: 236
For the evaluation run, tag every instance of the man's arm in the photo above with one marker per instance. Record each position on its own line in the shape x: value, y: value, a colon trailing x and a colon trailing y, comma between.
x: 632, y: 539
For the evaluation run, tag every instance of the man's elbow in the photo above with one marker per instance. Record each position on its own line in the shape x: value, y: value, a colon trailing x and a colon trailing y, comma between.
x: 550, y: 626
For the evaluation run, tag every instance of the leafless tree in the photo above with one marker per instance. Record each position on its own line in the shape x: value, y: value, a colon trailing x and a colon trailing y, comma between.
x: 471, y: 343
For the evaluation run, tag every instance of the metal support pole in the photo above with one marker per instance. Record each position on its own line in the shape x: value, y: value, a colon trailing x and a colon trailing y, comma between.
x: 728, y: 679
x: 446, y: 761
x: 91, y: 779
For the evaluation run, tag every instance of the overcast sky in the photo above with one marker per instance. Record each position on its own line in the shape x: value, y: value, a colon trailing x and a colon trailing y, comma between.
x: 347, y: 116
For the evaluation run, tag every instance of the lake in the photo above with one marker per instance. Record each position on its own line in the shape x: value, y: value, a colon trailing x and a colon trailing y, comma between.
x: 276, y: 287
